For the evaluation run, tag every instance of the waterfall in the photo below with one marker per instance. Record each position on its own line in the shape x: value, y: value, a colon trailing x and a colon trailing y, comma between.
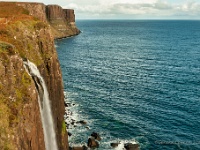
x: 44, y: 104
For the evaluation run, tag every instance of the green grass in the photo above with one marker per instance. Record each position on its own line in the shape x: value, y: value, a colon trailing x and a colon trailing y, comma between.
x: 5, y: 130
x: 63, y: 127
x: 6, y: 48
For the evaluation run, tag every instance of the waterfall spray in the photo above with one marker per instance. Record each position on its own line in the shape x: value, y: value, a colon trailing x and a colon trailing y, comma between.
x: 45, y: 107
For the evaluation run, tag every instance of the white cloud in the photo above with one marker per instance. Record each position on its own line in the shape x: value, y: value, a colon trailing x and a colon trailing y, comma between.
x: 139, y: 8
x: 131, y: 8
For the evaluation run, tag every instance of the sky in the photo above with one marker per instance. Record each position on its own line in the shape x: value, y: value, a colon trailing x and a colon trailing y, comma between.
x: 130, y: 9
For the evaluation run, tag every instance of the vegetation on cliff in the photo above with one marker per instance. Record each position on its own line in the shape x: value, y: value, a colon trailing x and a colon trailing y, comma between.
x: 25, y: 36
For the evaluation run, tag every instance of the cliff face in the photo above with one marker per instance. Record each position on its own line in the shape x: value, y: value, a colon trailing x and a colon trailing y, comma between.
x: 25, y: 32
x: 62, y: 21
x: 35, y: 9
x: 20, y: 123
x: 70, y: 15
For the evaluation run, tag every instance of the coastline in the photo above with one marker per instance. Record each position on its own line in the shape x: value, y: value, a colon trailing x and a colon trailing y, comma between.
x: 80, y: 132
x: 136, y: 88
x: 28, y: 33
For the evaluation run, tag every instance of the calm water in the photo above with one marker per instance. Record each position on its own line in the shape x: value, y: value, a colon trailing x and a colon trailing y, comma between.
x: 135, y: 80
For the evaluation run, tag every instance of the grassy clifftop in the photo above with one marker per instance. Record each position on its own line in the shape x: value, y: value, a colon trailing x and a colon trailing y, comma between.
x: 23, y: 31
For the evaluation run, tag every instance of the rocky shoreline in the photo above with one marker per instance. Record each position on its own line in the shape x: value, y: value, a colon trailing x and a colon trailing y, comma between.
x: 93, y: 141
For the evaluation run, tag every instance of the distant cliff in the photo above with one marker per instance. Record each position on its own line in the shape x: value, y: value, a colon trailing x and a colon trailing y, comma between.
x: 27, y: 31
x: 62, y: 21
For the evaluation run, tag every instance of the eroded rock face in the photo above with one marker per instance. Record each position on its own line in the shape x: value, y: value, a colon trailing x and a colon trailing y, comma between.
x: 70, y: 15
x: 54, y: 12
x: 19, y: 97
x: 33, y: 39
x: 35, y: 9
x: 62, y: 21
x: 50, y: 70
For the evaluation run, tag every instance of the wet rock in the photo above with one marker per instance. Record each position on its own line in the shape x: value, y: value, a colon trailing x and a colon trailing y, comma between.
x: 114, y: 145
x: 82, y: 122
x: 87, y: 127
x: 69, y: 134
x: 131, y: 146
x: 68, y: 113
x: 79, y: 148
x: 96, y: 136
x: 73, y: 123
x: 66, y: 105
x: 92, y: 143
x: 84, y: 147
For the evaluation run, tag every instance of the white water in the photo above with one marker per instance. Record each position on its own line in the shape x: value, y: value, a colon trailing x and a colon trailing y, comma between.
x: 45, y: 107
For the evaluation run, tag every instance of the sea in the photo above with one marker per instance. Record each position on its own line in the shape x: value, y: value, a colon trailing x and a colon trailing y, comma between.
x: 134, y: 81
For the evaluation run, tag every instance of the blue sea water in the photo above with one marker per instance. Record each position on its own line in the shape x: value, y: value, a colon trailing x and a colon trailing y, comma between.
x: 135, y: 80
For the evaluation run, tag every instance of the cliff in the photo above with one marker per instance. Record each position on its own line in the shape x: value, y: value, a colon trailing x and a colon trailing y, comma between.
x: 62, y: 21
x: 27, y: 31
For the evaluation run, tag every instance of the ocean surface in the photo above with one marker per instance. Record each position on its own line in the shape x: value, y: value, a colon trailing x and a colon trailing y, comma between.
x: 134, y: 81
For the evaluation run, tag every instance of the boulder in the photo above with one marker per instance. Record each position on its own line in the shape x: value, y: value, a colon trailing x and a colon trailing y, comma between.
x: 131, y: 146
x: 92, y: 143
x: 79, y: 148
x: 96, y: 136
x: 69, y: 134
x: 87, y: 127
x: 82, y: 122
x: 66, y: 105
x: 73, y: 123
x: 114, y: 145
x: 84, y: 147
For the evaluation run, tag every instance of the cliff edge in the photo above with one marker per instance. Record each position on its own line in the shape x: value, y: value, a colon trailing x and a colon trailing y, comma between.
x: 61, y: 21
x: 27, y: 31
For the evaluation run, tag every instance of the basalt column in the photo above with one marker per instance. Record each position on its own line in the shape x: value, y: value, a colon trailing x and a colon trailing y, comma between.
x: 63, y: 23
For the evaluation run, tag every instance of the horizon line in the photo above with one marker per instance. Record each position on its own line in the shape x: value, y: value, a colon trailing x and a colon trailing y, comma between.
x: 140, y: 19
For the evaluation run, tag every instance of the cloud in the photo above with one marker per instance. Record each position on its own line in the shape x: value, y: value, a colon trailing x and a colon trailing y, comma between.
x: 115, y: 7
x: 139, y: 8
x: 130, y: 9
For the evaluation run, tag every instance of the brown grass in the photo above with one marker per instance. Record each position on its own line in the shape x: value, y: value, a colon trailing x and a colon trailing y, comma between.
x: 10, y: 12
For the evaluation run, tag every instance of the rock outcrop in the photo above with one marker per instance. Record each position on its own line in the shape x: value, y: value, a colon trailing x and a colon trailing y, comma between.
x: 92, y: 143
x: 26, y: 32
x: 35, y: 9
x: 70, y: 15
x: 131, y: 146
x: 62, y: 21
